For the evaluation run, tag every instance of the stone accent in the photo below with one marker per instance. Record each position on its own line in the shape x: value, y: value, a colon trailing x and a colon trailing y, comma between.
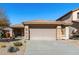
x: 26, y: 32
x: 59, y: 33
x: 11, y: 31
x: 66, y: 33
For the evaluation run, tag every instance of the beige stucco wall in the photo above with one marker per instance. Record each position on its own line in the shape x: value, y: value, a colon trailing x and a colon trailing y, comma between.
x: 75, y: 16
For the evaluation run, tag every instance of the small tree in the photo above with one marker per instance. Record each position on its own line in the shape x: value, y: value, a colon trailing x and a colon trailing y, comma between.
x: 4, y: 22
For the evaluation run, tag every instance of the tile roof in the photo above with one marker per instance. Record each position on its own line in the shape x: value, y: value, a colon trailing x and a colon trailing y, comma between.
x: 18, y: 26
x: 46, y: 22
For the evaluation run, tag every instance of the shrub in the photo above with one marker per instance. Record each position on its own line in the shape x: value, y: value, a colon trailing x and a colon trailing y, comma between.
x: 18, y: 44
x: 3, y: 46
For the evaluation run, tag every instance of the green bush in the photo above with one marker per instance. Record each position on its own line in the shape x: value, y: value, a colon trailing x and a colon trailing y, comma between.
x: 18, y: 44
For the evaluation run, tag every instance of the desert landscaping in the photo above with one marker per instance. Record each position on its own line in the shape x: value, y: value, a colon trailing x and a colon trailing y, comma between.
x: 5, y: 46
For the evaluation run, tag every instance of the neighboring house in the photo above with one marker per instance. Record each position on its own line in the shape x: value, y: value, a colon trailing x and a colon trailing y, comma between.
x: 73, y: 18
x: 49, y: 30
x: 18, y: 29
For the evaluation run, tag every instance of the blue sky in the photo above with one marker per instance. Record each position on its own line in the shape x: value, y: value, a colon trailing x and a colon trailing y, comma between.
x: 20, y: 12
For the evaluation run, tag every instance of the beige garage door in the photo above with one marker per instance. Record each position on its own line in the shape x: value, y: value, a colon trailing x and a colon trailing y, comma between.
x: 42, y: 34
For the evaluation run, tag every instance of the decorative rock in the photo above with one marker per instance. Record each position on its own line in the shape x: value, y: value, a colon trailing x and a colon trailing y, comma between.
x: 13, y: 49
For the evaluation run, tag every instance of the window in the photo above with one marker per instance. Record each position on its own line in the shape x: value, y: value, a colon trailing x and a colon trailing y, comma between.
x: 78, y: 15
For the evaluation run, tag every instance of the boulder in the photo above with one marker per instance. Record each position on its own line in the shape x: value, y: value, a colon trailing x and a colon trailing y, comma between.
x: 13, y: 49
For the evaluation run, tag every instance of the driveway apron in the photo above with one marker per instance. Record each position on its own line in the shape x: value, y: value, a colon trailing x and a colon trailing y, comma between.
x: 45, y: 47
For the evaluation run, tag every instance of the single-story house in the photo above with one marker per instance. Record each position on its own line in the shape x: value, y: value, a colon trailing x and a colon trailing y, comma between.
x: 49, y: 30
x: 41, y: 29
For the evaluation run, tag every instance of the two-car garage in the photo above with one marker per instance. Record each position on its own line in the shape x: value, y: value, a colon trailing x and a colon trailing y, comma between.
x: 43, y: 34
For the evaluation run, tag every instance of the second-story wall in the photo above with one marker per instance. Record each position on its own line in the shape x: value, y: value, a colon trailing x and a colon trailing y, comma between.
x: 75, y: 15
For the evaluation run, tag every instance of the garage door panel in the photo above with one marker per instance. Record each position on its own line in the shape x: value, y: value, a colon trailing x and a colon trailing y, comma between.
x: 42, y: 34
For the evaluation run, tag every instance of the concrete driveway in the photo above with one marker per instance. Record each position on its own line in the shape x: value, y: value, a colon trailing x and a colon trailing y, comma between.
x: 44, y: 47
